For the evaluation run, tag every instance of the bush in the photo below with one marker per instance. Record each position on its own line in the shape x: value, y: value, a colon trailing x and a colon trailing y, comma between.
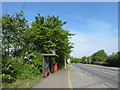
x: 18, y: 67
x: 113, y: 60
x: 9, y: 69
x: 8, y: 78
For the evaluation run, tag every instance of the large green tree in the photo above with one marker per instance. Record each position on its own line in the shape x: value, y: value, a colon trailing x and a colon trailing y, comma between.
x: 114, y: 59
x: 13, y: 28
x: 99, y: 56
x: 47, y: 34
x: 23, y: 44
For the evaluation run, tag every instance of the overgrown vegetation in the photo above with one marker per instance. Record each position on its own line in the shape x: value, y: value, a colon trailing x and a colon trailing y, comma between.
x: 23, y: 43
x: 114, y: 59
x: 101, y: 58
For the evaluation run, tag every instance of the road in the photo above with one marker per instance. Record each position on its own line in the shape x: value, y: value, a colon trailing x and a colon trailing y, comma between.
x: 107, y: 76
x: 81, y: 76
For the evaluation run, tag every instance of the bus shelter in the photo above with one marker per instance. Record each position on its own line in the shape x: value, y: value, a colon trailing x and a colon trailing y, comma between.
x: 46, y: 63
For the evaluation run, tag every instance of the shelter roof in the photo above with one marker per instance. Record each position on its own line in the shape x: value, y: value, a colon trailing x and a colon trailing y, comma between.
x: 50, y: 55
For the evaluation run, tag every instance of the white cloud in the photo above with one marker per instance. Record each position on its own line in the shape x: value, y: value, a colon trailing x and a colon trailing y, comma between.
x: 100, y: 37
x: 98, y: 25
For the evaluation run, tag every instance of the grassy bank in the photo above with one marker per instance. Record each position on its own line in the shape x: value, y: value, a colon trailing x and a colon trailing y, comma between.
x: 22, y: 83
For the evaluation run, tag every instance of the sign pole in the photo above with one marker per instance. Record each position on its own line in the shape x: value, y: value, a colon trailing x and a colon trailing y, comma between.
x: 65, y: 62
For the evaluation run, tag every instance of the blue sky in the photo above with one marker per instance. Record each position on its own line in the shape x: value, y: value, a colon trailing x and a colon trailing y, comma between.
x: 94, y: 23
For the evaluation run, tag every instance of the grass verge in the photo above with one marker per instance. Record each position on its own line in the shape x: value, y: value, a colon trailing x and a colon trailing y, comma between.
x: 22, y: 83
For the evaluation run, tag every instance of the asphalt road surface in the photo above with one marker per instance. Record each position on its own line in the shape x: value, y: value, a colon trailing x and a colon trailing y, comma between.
x: 106, y: 75
x: 81, y: 76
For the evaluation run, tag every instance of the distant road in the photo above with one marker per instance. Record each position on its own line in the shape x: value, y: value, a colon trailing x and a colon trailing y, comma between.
x: 106, y: 75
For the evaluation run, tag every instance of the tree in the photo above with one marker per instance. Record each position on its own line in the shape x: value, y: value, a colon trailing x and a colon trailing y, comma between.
x: 23, y: 45
x: 83, y: 59
x: 47, y: 35
x: 99, y: 56
x: 114, y: 59
x: 7, y: 27
x: 13, y: 28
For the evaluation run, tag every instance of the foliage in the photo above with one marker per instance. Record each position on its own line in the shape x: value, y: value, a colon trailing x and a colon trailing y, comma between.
x: 34, y: 58
x: 99, y: 56
x: 114, y: 59
x: 23, y: 44
x: 75, y: 60
x: 26, y: 69
x: 9, y: 71
x: 47, y: 35
x: 83, y: 59
x: 12, y: 29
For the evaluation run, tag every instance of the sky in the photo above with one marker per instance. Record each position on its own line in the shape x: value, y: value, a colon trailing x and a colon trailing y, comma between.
x: 95, y: 24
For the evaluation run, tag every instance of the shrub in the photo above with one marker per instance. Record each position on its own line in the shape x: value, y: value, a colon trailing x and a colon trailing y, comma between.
x: 113, y: 60
x: 9, y: 69
x: 18, y: 67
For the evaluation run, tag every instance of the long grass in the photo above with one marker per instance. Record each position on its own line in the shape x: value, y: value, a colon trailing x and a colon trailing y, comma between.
x: 22, y: 83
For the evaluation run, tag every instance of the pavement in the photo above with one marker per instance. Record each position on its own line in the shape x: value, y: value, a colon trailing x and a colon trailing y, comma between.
x: 56, y: 80
x: 71, y: 77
